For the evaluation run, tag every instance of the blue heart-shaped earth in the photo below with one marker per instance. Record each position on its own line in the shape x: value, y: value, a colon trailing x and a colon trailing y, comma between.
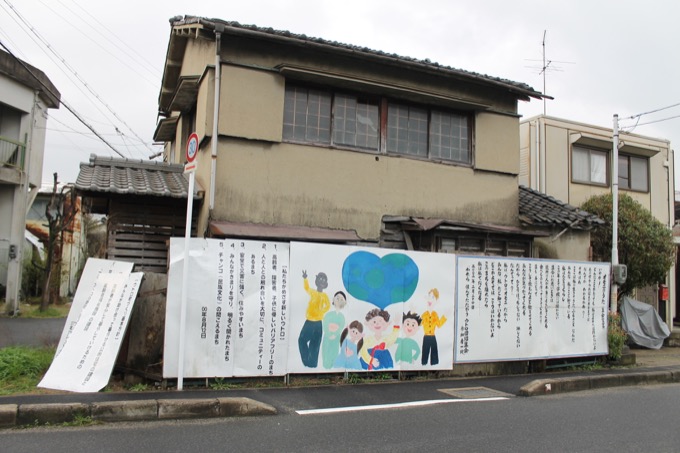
x: 380, y: 281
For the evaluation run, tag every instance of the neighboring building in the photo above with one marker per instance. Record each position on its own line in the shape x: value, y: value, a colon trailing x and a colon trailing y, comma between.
x: 571, y: 161
x: 71, y: 243
x: 25, y: 96
x: 316, y: 140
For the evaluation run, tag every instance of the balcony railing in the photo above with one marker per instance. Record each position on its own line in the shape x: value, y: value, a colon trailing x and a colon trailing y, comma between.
x: 12, y: 153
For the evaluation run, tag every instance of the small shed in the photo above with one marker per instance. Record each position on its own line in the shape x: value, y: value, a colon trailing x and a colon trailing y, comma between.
x: 145, y: 204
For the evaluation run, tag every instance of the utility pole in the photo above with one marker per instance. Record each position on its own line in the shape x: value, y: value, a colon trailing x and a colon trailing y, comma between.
x: 615, y: 213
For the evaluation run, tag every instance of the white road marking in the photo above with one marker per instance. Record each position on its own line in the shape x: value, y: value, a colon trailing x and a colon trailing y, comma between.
x: 331, y: 410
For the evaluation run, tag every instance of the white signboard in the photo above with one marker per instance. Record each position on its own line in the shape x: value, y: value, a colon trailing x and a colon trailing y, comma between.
x: 369, y: 309
x: 519, y: 309
x: 236, y: 320
x: 95, y: 327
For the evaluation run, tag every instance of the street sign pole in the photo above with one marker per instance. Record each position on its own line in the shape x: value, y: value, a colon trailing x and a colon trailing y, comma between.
x: 190, y: 167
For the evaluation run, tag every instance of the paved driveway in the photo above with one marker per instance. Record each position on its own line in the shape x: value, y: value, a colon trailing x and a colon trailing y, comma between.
x: 30, y: 331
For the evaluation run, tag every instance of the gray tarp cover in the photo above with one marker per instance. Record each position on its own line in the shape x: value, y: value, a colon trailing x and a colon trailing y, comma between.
x: 644, y: 326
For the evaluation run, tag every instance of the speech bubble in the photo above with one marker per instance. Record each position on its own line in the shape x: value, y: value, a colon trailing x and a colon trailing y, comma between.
x: 380, y: 281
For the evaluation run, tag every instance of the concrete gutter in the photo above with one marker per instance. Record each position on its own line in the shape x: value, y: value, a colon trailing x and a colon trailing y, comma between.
x: 13, y: 415
x: 579, y: 383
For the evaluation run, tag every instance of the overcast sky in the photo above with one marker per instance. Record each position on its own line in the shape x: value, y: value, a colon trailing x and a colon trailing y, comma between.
x: 605, y: 56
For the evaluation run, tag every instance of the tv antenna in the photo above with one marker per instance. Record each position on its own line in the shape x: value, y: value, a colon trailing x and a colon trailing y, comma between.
x: 547, y: 65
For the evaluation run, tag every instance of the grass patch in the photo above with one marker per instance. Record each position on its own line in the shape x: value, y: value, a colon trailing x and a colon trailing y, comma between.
x: 220, y: 384
x: 22, y: 367
x: 32, y: 310
x: 139, y: 387
x: 81, y: 420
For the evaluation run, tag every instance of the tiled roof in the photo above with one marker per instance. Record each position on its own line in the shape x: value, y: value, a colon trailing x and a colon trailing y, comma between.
x: 133, y: 177
x: 539, y: 209
x: 520, y: 88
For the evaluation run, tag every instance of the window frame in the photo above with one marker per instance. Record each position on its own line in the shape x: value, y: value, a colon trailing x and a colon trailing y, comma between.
x: 383, y: 104
x: 484, y: 244
x: 629, y: 178
x: 591, y: 150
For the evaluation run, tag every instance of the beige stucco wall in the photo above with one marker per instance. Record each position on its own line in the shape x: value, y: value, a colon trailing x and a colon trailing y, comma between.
x: 206, y: 101
x: 251, y: 104
x: 305, y: 185
x: 573, y: 245
x: 496, y: 143
x: 198, y: 55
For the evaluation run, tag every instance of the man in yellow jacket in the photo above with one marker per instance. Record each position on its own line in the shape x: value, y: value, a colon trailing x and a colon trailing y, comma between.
x: 431, y: 321
x: 312, y: 330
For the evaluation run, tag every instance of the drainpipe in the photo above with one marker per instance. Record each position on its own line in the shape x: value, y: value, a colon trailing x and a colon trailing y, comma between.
x: 537, y: 181
x: 219, y: 28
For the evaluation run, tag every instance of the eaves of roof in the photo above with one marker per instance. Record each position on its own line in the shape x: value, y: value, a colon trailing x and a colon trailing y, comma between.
x: 540, y: 210
x: 133, y: 177
x: 520, y: 90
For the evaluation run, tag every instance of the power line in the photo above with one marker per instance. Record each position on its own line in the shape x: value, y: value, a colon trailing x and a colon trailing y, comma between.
x: 658, y: 121
x: 73, y: 71
x: 90, y: 37
x: 141, y: 60
x: 653, y: 111
x: 54, y: 95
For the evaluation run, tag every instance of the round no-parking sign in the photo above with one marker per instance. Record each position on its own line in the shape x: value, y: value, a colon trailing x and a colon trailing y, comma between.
x: 192, y: 147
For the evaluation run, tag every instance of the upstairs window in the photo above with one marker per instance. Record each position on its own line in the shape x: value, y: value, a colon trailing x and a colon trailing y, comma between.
x: 589, y: 166
x: 356, y: 122
x: 437, y: 135
x: 307, y: 115
x: 633, y: 173
x: 360, y: 122
x: 449, y: 137
x: 406, y: 130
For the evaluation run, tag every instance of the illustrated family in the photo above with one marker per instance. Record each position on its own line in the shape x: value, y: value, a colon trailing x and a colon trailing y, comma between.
x: 380, y: 340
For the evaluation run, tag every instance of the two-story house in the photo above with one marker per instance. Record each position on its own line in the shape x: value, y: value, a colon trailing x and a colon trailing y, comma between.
x: 26, y: 94
x: 307, y: 139
x: 571, y: 161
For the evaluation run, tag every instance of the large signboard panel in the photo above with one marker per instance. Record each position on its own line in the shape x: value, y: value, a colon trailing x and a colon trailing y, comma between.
x: 518, y: 309
x: 260, y: 308
x: 369, y: 309
x: 236, y: 320
x: 95, y: 327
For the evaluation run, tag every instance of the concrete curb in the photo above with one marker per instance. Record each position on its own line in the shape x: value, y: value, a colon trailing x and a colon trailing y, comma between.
x: 576, y: 384
x: 12, y: 415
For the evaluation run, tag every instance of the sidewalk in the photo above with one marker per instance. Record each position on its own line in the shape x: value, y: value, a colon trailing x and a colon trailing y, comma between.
x: 664, y: 357
x: 652, y: 367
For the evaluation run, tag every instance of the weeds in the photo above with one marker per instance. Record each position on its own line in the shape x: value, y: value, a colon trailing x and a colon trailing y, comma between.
x: 354, y: 379
x: 21, y: 368
x: 141, y: 387
x: 220, y: 384
x: 81, y: 420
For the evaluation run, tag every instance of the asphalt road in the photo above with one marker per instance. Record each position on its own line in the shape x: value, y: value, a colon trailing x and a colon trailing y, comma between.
x: 629, y: 419
x: 30, y: 331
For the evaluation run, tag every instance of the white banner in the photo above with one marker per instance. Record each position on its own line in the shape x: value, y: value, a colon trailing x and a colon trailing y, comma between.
x: 95, y: 327
x: 519, y: 309
x: 370, y: 309
x: 236, y: 320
